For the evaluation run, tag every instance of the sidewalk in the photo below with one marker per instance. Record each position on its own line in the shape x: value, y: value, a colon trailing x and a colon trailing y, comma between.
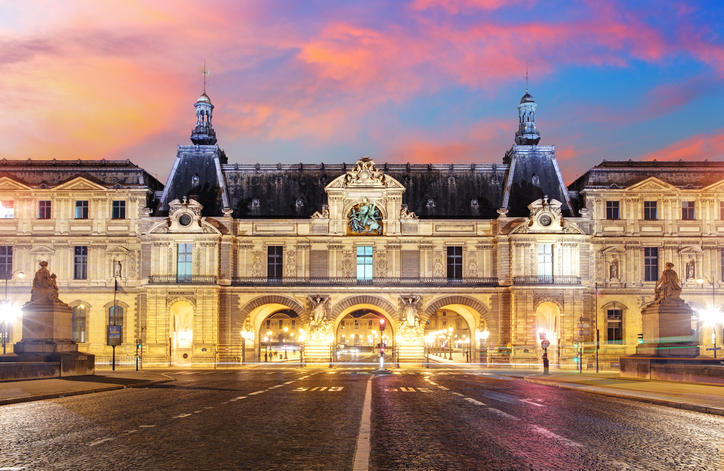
x: 697, y: 397
x: 37, y: 389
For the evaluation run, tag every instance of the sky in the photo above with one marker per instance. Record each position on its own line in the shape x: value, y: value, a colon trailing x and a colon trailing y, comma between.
x: 427, y: 81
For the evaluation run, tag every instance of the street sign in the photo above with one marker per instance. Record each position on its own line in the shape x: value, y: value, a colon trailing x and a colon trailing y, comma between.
x: 115, y: 336
x: 545, y: 343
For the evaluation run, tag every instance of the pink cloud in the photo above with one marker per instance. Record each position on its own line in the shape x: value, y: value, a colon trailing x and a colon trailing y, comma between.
x: 708, y: 146
x: 456, y: 6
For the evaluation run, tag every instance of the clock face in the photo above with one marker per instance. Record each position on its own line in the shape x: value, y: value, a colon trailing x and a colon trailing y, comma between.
x: 545, y: 220
x: 184, y: 220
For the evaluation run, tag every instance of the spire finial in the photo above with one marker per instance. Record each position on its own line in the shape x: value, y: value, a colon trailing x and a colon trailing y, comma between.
x: 205, y: 72
x: 526, y: 77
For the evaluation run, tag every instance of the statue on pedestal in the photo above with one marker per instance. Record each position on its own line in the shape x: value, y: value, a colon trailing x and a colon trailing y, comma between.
x: 668, y: 285
x: 45, y: 286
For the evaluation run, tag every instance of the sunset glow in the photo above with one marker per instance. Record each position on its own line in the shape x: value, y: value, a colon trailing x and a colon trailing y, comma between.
x: 420, y: 80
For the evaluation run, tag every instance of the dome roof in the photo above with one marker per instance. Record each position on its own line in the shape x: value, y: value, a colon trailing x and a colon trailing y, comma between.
x: 204, y: 98
x: 527, y: 98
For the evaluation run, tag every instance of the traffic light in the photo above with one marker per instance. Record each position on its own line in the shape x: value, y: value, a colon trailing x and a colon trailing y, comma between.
x: 139, y: 348
x: 641, y: 339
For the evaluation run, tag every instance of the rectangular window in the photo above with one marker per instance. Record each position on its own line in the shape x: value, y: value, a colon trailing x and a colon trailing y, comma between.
x: 118, y: 210
x: 81, y: 210
x: 454, y: 263
x: 184, y: 259
x: 6, y: 262
x: 650, y: 210
x: 7, y: 209
x: 115, y: 316
x: 44, y: 209
x: 545, y: 262
x: 651, y: 264
x: 274, y: 262
x: 614, y: 327
x: 364, y: 263
x: 78, y: 322
x: 612, y: 210
x: 80, y: 262
x: 687, y: 210
x: 721, y: 210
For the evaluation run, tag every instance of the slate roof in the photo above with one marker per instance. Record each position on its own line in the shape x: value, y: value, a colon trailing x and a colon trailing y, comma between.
x: 622, y: 174
x: 432, y: 191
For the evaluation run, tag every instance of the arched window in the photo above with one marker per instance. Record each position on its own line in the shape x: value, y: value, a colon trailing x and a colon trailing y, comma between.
x: 79, y: 320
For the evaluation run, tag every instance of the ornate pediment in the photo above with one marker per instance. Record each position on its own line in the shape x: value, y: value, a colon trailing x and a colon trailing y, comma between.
x: 80, y: 184
x: 185, y: 216
x: 651, y: 184
x: 546, y: 217
x: 7, y: 183
x: 716, y: 187
x: 365, y: 175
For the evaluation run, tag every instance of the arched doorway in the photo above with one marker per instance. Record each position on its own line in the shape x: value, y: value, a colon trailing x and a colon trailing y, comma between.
x: 448, y: 336
x: 547, y: 323
x: 281, y: 337
x: 181, y: 324
x: 358, y: 336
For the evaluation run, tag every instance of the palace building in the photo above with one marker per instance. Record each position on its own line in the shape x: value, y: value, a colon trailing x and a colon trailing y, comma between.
x: 240, y: 262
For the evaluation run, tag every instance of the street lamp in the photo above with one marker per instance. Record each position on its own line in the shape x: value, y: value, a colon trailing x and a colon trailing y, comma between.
x: 710, y: 316
x: 483, y: 338
x: 8, y: 311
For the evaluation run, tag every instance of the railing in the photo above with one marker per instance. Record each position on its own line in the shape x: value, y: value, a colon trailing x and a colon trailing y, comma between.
x: 547, y: 280
x: 182, y: 280
x: 377, y: 282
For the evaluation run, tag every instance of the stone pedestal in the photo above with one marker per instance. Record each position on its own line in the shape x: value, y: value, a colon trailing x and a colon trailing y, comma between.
x: 47, y: 331
x: 667, y: 330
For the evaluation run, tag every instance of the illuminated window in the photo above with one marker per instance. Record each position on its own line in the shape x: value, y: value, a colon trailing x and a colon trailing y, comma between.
x: 650, y: 210
x: 651, y: 264
x: 545, y: 262
x: 687, y: 210
x: 274, y: 262
x: 614, y: 328
x: 184, y: 259
x: 454, y: 263
x: 364, y: 263
x: 6, y: 262
x: 78, y: 321
x: 81, y: 210
x: 612, y: 210
x: 7, y: 209
x: 118, y: 210
x: 44, y: 209
x: 80, y: 262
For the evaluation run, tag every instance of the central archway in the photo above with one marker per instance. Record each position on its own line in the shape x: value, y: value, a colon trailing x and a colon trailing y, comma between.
x: 281, y: 336
x: 358, y: 336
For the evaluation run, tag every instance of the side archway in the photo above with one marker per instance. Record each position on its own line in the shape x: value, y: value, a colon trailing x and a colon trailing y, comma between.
x: 290, y: 303
x: 467, y: 301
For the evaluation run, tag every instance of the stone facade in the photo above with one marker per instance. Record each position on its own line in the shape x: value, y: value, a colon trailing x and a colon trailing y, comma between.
x: 505, y: 251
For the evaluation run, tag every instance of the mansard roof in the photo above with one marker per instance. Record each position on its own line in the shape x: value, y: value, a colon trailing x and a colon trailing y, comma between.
x: 51, y: 173
x: 431, y: 190
x: 623, y: 174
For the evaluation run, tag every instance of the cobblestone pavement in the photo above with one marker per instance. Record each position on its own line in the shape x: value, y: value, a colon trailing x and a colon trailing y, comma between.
x: 300, y: 419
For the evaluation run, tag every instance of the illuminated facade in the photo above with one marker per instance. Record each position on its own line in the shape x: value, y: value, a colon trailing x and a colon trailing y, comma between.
x: 229, y: 262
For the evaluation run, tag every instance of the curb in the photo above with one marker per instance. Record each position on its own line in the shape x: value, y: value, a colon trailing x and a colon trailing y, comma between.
x: 629, y: 396
x: 41, y: 397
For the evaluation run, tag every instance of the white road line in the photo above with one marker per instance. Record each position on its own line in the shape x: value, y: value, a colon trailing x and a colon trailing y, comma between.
x: 477, y: 403
x: 255, y: 393
x: 530, y: 401
x: 102, y: 440
x: 208, y: 407
x: 501, y: 413
x: 131, y: 431
x: 549, y: 434
x: 458, y: 394
x: 180, y: 416
x: 276, y: 386
x: 289, y: 382
x: 149, y: 426
x: 197, y: 411
x: 236, y: 398
x: 362, y: 451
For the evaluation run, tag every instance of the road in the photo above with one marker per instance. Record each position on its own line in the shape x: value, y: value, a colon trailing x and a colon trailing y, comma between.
x: 292, y: 419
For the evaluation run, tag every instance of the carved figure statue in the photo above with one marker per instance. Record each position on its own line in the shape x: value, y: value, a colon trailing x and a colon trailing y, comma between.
x: 613, y: 270
x: 319, y: 310
x: 365, y: 218
x: 409, y: 309
x: 45, y: 286
x: 690, y: 270
x: 668, y: 285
